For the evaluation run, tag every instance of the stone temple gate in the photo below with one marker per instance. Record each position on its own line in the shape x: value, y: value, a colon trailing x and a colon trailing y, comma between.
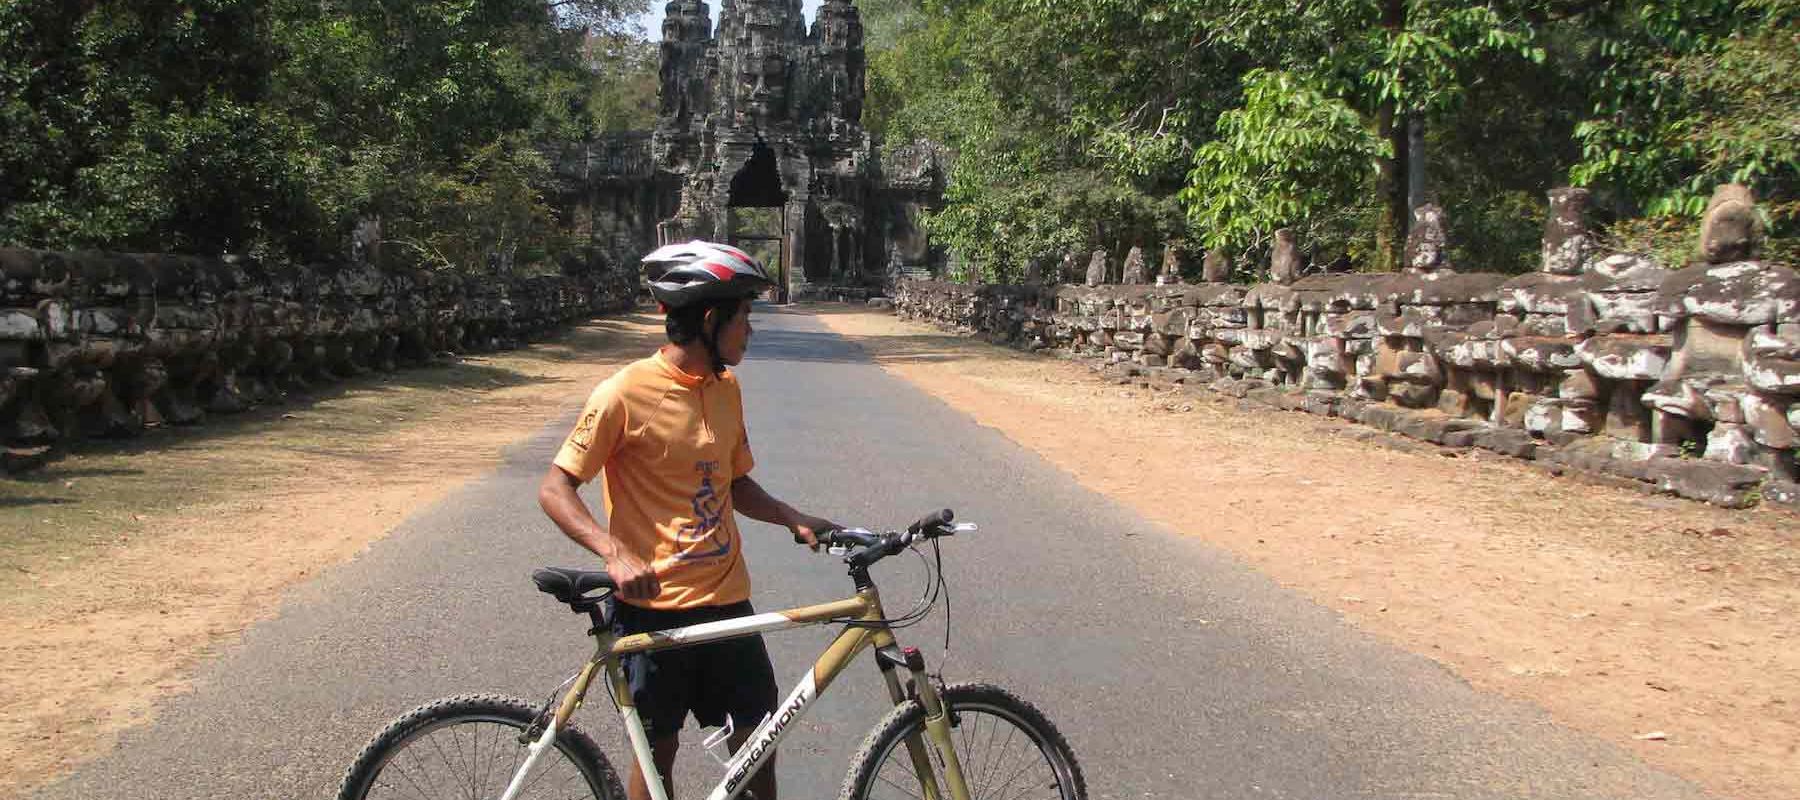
x: 759, y: 142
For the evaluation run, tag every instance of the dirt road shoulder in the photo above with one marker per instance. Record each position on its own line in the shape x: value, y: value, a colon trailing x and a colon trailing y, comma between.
x: 1665, y: 626
x: 127, y: 565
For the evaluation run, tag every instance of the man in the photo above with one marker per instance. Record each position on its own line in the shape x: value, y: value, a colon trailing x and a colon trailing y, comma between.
x: 668, y: 434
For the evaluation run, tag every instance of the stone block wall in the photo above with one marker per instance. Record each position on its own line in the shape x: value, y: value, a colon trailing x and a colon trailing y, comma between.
x: 1687, y: 379
x: 104, y: 344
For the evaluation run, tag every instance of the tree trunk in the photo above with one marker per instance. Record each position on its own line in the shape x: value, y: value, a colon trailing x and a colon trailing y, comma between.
x: 1390, y: 180
x: 1416, y: 182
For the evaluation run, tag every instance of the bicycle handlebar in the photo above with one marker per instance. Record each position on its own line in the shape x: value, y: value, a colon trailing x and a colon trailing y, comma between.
x: 867, y: 547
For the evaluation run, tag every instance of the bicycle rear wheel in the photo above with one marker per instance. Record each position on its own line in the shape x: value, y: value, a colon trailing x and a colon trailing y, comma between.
x: 468, y: 746
x: 1008, y: 751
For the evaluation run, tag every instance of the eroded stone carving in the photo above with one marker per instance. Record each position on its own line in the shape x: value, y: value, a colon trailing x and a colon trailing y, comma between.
x: 1097, y: 268
x: 1731, y: 229
x: 1567, y: 240
x: 104, y: 344
x: 1216, y: 268
x: 1686, y: 379
x: 1134, y: 267
x: 1426, y: 240
x: 1284, y: 261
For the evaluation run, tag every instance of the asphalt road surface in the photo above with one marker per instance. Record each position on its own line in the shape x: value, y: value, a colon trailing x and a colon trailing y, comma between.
x: 1173, y: 670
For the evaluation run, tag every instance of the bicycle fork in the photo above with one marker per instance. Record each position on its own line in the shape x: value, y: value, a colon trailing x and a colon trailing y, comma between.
x: 937, y: 720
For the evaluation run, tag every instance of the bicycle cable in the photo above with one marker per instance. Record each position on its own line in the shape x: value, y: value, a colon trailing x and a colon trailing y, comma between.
x: 938, y: 551
x: 921, y: 608
x: 548, y: 709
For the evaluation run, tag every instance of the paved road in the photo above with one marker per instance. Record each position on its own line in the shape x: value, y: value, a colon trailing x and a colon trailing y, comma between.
x: 1175, y: 671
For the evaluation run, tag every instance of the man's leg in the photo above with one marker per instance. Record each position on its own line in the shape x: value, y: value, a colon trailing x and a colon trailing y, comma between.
x: 740, y: 682
x: 663, y: 752
x: 762, y: 784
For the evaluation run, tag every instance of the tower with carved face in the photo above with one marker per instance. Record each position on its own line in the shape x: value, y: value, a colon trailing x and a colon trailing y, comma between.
x: 686, y: 36
x: 760, y: 112
x: 760, y: 45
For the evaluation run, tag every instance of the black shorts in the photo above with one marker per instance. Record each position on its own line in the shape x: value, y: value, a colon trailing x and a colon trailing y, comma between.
x: 729, y: 677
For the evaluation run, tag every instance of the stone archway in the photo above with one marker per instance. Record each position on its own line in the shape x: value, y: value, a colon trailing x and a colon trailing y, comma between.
x: 757, y: 184
x: 760, y: 111
x: 755, y: 220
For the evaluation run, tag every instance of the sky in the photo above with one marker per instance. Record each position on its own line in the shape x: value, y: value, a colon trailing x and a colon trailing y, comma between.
x: 652, y: 22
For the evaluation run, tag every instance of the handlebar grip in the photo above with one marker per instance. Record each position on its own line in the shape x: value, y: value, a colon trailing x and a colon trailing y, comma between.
x: 932, y: 520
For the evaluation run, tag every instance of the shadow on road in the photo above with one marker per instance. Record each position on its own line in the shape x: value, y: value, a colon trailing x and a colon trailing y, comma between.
x: 829, y: 347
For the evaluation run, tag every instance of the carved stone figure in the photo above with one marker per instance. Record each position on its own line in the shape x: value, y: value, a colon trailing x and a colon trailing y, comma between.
x: 1567, y: 240
x: 1216, y: 268
x: 1134, y: 267
x: 1426, y: 241
x: 1097, y: 268
x: 1284, y: 262
x: 1171, y: 265
x: 1731, y: 230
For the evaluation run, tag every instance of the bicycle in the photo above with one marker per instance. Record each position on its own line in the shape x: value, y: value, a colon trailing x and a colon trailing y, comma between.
x: 939, y: 742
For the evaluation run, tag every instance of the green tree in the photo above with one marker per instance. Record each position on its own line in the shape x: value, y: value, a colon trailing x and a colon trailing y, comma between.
x: 1292, y: 156
x: 271, y: 127
x: 1686, y: 96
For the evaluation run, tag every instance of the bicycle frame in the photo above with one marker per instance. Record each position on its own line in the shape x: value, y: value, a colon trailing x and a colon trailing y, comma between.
x: 865, y: 608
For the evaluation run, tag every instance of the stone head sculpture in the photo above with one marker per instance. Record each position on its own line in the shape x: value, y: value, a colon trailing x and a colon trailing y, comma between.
x: 761, y: 83
x: 686, y: 21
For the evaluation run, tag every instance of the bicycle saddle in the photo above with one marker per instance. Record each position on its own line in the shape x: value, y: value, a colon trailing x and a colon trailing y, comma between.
x: 569, y: 585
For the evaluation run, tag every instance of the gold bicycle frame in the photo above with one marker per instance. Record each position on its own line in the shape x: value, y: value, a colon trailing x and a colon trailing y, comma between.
x: 865, y: 607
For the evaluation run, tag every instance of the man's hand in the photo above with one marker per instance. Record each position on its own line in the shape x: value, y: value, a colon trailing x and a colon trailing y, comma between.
x: 556, y: 494
x: 635, y: 578
x: 807, y: 528
x: 752, y: 501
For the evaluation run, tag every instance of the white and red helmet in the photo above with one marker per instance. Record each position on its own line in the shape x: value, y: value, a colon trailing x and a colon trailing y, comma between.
x: 681, y: 274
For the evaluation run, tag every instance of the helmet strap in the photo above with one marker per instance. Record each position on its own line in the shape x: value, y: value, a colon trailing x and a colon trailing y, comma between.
x: 709, y: 335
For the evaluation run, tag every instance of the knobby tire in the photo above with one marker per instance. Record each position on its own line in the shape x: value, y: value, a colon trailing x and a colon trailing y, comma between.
x: 468, y: 746
x: 1008, y: 751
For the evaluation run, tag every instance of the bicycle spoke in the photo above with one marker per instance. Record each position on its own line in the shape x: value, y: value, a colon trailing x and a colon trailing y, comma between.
x: 1001, y: 756
x: 897, y: 785
x: 1026, y: 789
x: 993, y: 764
x: 465, y: 757
x: 475, y: 761
x: 970, y: 731
x: 1005, y: 748
x: 407, y: 774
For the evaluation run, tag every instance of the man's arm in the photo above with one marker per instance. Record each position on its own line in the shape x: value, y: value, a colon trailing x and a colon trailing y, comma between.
x: 755, y: 502
x: 557, y: 496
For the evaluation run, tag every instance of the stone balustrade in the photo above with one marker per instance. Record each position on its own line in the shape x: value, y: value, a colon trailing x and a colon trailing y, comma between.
x: 1687, y: 379
x: 104, y: 344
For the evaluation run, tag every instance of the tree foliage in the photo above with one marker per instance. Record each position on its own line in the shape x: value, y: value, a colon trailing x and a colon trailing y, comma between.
x: 1255, y: 114
x: 271, y: 127
x: 1291, y: 155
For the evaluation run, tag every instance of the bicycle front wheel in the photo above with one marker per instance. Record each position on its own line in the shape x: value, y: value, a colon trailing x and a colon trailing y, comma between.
x: 468, y: 746
x: 1007, y: 748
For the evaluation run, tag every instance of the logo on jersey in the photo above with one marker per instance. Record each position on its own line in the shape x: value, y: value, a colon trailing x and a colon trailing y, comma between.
x: 583, y: 437
x: 705, y: 536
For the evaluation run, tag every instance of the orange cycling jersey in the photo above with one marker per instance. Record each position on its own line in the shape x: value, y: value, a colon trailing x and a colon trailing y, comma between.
x: 669, y: 445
